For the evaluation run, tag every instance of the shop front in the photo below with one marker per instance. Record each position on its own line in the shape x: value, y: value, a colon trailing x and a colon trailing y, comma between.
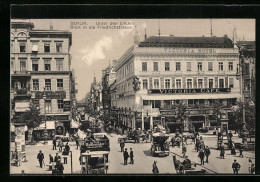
x: 38, y: 133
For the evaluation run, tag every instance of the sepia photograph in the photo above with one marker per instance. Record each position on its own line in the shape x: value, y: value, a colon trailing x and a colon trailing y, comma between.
x: 132, y: 96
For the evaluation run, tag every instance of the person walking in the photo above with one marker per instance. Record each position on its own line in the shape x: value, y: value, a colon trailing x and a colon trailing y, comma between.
x: 201, y: 156
x: 184, y: 150
x: 126, y: 155
x: 131, y: 156
x: 173, y: 141
x: 77, y: 142
x: 236, y: 166
x: 40, y: 158
x: 241, y: 149
x: 67, y: 147
x: 56, y: 157
x: 54, y: 143
x: 65, y: 153
x: 207, y: 153
x: 122, y: 145
x: 197, y: 145
x: 222, y: 151
x: 155, y: 168
x: 59, y: 167
x: 230, y: 135
x: 51, y: 159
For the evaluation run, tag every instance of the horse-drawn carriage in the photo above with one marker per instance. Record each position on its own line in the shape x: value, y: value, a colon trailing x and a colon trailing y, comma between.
x: 185, y: 167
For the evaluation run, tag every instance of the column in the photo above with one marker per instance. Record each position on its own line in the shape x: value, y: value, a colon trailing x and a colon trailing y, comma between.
x: 151, y: 122
x: 142, y: 120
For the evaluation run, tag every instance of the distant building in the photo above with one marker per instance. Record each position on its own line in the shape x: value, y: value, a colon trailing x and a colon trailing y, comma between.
x: 155, y: 75
x: 41, y: 74
x: 247, y: 49
x: 95, y: 99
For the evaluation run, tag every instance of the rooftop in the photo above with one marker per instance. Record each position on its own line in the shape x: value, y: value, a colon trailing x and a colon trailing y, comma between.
x: 187, y: 42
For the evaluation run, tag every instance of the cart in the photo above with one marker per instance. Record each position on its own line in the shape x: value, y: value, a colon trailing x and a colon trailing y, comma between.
x: 131, y: 138
x: 95, y: 162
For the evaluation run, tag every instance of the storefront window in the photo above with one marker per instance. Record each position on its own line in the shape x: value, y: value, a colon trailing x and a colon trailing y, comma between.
x: 157, y: 104
x: 145, y: 102
x: 190, y: 103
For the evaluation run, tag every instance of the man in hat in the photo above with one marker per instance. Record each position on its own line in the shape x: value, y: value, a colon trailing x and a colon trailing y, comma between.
x: 126, y: 155
x: 201, y: 156
x: 54, y: 143
x: 56, y: 157
x: 207, y: 153
x: 236, y: 166
x: 59, y: 166
x: 40, y: 158
x: 131, y: 156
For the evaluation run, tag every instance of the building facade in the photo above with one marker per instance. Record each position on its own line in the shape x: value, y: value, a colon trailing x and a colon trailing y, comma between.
x: 157, y: 74
x: 40, y: 71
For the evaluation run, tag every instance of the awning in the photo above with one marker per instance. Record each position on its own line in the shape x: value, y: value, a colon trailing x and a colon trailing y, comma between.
x: 189, y: 96
x: 50, y: 125
x: 22, y: 106
x: 73, y: 124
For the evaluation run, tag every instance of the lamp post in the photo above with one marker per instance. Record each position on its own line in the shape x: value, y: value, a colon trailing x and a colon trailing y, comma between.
x: 71, y: 162
x: 240, y: 75
x: 45, y: 133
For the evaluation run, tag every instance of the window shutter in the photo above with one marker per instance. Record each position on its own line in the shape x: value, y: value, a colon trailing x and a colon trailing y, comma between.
x: 226, y: 82
x: 150, y: 83
x: 205, y: 82
x: 184, y: 82
x: 173, y: 82
x: 216, y: 82
x: 194, y: 82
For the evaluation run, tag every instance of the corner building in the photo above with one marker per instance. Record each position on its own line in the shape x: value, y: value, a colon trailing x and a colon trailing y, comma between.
x: 192, y: 70
x: 41, y: 74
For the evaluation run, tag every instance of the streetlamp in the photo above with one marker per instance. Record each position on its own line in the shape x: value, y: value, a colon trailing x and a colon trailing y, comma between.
x: 240, y: 75
x: 45, y: 133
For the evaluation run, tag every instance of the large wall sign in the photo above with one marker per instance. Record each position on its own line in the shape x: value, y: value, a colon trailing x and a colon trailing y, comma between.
x: 66, y: 106
x: 51, y: 95
x: 57, y: 117
x: 183, y: 91
x: 186, y: 50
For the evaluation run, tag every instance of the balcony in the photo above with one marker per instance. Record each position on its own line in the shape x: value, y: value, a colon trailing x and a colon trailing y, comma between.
x: 21, y: 73
x: 21, y: 92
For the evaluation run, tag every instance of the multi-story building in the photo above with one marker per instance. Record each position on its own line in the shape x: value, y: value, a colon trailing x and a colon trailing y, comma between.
x: 41, y: 74
x: 95, y: 99
x: 247, y: 52
x: 155, y: 75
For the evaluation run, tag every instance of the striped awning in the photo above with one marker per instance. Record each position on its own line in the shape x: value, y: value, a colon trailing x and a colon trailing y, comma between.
x: 22, y: 106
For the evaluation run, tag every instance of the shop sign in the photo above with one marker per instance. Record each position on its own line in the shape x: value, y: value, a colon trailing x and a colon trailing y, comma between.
x: 51, y: 95
x: 57, y: 117
x: 167, y: 112
x: 186, y: 50
x: 183, y: 91
x: 66, y: 106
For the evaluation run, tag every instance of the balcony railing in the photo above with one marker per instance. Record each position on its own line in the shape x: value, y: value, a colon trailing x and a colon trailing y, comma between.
x: 22, y: 91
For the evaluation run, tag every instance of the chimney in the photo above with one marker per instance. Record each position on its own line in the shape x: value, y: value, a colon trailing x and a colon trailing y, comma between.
x: 51, y: 26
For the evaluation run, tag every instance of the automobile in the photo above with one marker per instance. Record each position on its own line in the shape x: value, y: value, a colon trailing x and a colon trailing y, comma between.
x: 160, y: 145
x: 62, y: 138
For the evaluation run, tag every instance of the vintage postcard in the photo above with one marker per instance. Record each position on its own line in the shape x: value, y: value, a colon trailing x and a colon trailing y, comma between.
x: 132, y: 96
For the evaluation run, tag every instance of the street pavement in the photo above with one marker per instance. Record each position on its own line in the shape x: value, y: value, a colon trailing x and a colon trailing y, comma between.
x: 143, y: 160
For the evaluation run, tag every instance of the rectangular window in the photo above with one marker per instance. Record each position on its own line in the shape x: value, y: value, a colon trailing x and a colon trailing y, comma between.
x: 35, y: 65
x: 22, y: 47
x: 210, y: 83
x: 167, y: 83
x: 58, y: 47
x: 47, y: 84
x: 220, y: 66
x: 156, y: 83
x: 59, y: 84
x: 145, y: 83
x: 144, y: 66
x: 221, y: 83
x: 199, y: 66
x: 155, y: 66
x: 167, y: 66
x: 47, y: 65
x: 60, y: 105
x: 178, y: 83
x: 200, y: 82
x: 22, y: 65
x: 230, y: 66
x: 46, y: 47
x: 178, y: 66
x: 188, y: 66
x: 231, y: 83
x: 36, y: 84
x: 59, y: 64
x: 47, y: 106
x: 189, y: 83
x: 210, y: 66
